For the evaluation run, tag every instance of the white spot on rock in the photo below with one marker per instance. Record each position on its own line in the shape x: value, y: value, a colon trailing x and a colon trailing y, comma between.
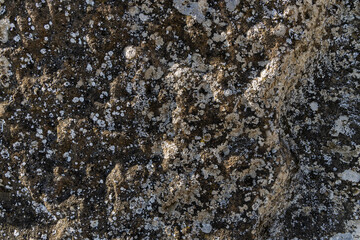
x: 219, y: 37
x: 17, y: 38
x: 280, y: 30
x: 130, y: 52
x: 314, y: 106
x: 88, y: 68
x: 231, y: 4
x: 94, y: 223
x: 90, y: 2
x: 342, y: 126
x: 342, y: 236
x: 169, y: 149
x: 350, y: 175
x: 143, y: 17
x: 193, y: 9
x: 206, y: 228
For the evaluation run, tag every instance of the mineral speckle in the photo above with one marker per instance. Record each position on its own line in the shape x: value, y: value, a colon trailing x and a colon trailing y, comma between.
x: 235, y: 119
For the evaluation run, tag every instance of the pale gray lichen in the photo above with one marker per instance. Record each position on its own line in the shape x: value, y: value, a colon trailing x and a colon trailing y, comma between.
x: 231, y: 4
x: 350, y: 175
x: 196, y: 9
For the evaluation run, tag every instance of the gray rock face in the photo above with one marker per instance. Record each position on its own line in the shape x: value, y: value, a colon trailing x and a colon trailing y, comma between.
x: 179, y: 119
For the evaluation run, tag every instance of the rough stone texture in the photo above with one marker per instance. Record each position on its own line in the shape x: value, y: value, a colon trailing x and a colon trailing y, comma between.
x: 235, y: 119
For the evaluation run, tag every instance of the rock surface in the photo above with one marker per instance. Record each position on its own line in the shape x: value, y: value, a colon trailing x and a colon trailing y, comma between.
x: 235, y: 119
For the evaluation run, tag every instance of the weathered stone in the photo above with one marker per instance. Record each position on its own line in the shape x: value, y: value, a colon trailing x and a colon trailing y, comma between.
x: 179, y: 119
